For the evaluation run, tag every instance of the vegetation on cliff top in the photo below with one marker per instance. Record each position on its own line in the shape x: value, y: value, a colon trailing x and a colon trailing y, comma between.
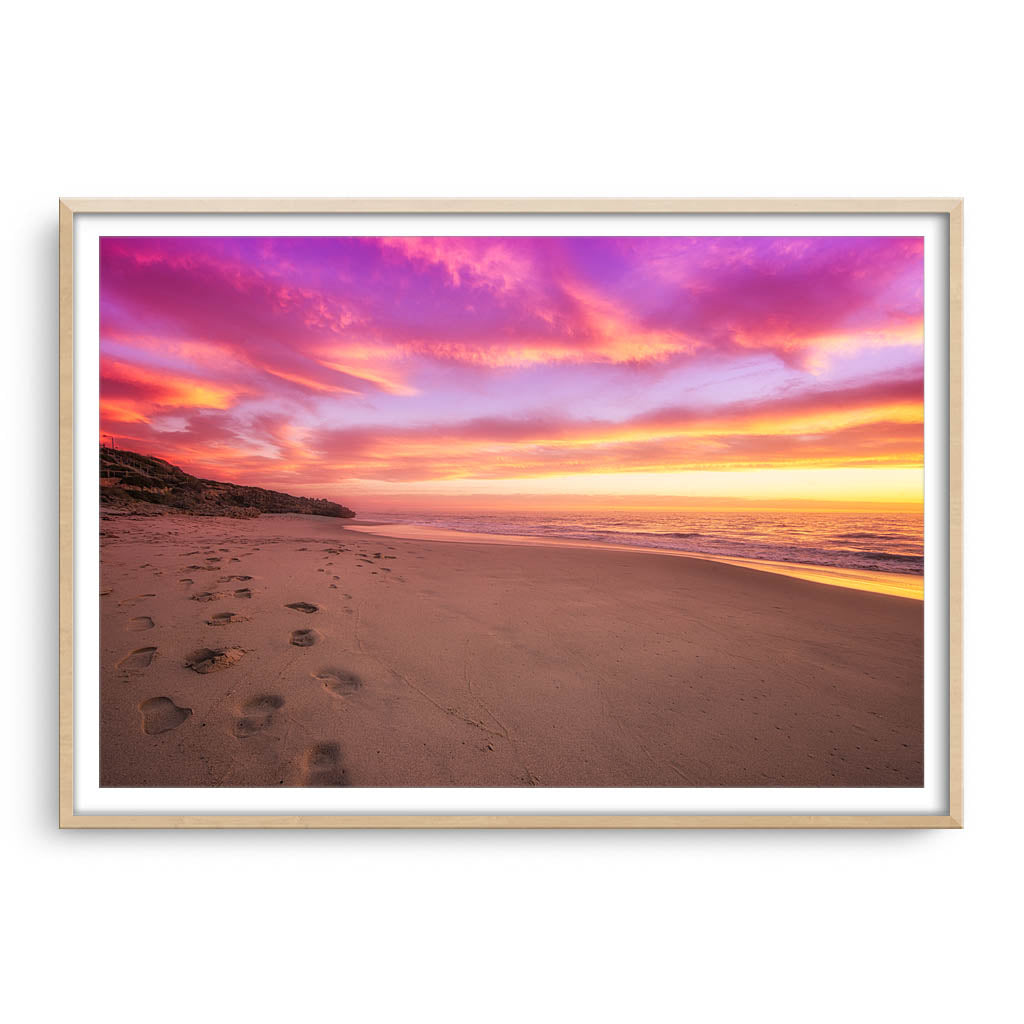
x: 127, y: 477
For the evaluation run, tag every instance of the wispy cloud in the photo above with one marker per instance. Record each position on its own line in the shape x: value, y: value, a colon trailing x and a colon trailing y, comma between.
x: 329, y: 359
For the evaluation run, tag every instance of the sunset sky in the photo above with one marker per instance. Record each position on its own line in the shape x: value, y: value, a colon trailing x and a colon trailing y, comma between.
x: 432, y: 369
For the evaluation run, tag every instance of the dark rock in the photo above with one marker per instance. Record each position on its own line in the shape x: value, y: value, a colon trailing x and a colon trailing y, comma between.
x: 127, y: 478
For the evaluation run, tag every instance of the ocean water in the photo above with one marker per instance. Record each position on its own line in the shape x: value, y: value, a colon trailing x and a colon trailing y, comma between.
x: 877, y: 541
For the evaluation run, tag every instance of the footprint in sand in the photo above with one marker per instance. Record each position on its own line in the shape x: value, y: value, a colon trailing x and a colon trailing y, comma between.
x: 229, y: 579
x: 129, y: 601
x: 223, y: 618
x: 338, y: 682
x: 305, y: 637
x: 323, y: 766
x: 243, y: 593
x: 208, y: 595
x: 256, y: 714
x: 142, y: 658
x: 213, y: 660
x: 161, y: 714
x: 139, y: 623
x: 303, y: 606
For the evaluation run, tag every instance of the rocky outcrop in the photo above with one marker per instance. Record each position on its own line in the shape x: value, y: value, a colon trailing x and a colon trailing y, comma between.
x: 127, y: 478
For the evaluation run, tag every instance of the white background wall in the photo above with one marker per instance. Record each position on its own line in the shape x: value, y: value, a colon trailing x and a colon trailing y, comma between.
x: 525, y: 99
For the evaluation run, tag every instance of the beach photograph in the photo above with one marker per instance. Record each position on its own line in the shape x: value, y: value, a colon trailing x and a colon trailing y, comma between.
x: 511, y: 511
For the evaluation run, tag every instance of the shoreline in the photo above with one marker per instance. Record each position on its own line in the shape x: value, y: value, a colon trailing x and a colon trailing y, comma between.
x: 904, y: 585
x: 289, y: 650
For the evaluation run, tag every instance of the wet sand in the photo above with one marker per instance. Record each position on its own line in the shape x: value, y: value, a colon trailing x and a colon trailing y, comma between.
x: 897, y: 583
x: 290, y: 650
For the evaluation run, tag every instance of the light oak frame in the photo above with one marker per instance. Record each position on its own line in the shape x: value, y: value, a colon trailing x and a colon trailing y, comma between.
x: 952, y: 208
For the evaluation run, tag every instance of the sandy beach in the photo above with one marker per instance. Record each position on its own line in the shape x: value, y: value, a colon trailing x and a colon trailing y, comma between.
x: 290, y: 650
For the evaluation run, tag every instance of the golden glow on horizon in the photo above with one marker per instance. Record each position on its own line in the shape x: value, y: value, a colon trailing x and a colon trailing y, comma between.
x: 856, y: 485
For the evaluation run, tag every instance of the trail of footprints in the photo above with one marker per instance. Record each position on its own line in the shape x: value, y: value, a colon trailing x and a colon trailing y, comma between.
x: 225, y: 618
x: 208, y: 659
x: 161, y: 714
x: 256, y: 714
x: 321, y: 764
x: 338, y: 682
x: 138, y: 659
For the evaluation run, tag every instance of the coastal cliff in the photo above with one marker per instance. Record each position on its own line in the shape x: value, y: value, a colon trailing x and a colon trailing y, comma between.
x: 128, y: 478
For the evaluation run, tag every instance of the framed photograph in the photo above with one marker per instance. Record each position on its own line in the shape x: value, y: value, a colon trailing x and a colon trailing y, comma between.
x: 510, y: 513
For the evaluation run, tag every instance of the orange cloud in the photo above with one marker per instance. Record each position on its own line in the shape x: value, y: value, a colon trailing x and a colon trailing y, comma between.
x: 131, y: 393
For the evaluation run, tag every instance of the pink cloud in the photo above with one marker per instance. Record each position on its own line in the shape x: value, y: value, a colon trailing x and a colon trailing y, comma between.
x: 263, y: 357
